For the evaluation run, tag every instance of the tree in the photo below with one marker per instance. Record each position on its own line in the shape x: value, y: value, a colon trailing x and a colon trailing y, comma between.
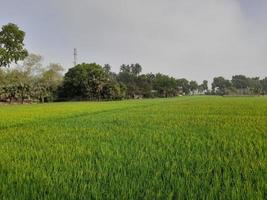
x: 145, y: 85
x: 193, y: 86
x: 246, y: 85
x: 107, y: 68
x: 31, y: 81
x: 49, y: 81
x: 255, y: 85
x: 203, y: 87
x: 17, y: 85
x: 130, y: 81
x: 18, y: 81
x: 11, y: 45
x: 2, y: 84
x: 240, y: 82
x: 165, y: 85
x: 220, y: 85
x: 33, y: 64
x: 129, y: 77
x: 184, y: 85
x: 32, y: 67
x: 84, y: 81
x: 112, y: 90
x: 125, y: 68
x: 136, y: 69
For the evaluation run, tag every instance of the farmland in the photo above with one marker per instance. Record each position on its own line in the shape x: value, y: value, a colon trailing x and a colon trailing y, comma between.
x: 176, y: 148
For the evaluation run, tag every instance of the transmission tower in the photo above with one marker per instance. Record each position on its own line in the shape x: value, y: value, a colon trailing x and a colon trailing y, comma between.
x: 75, y: 57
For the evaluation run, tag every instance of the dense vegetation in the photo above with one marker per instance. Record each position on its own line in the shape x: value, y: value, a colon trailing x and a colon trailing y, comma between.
x: 239, y: 85
x: 176, y: 148
x: 30, y: 82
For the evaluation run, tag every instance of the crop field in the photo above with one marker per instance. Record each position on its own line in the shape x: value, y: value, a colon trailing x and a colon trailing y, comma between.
x: 177, y: 148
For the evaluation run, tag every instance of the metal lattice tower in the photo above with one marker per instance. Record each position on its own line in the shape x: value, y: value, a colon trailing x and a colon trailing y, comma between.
x: 75, y: 56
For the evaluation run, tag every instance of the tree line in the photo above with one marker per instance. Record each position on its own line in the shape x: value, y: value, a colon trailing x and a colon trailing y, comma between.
x: 30, y: 81
x: 94, y: 82
x: 239, y: 85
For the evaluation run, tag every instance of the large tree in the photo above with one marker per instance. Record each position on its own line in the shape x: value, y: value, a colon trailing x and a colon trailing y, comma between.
x: 240, y: 82
x: 220, y: 85
x: 193, y: 86
x: 255, y: 85
x: 203, y: 87
x: 112, y: 90
x: 89, y: 81
x: 128, y: 77
x: 19, y: 82
x: 11, y: 45
x: 165, y: 86
x: 184, y: 85
x: 16, y: 85
x: 145, y: 85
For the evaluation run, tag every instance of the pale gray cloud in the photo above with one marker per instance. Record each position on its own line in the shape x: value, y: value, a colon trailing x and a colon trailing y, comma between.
x: 184, y: 38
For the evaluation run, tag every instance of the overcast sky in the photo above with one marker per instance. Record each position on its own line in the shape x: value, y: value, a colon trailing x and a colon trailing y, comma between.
x: 195, y: 39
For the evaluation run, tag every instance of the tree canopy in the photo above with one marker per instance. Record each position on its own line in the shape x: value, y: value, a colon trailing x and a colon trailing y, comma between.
x: 11, y: 45
x: 90, y: 81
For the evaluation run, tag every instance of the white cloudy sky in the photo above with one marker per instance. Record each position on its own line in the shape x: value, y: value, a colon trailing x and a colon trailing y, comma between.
x: 183, y: 38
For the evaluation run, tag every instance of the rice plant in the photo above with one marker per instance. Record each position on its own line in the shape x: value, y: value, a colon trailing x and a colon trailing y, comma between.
x: 177, y: 148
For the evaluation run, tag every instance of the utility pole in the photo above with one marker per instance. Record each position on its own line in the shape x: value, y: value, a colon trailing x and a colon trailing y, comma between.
x: 75, y: 57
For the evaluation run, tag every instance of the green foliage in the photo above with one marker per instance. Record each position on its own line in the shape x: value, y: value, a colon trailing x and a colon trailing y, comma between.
x: 2, y: 77
x: 129, y: 77
x: 130, y: 81
x: 138, y: 85
x: 11, y: 45
x: 178, y: 148
x: 49, y: 81
x: 220, y: 85
x: 89, y: 81
x: 240, y: 82
x: 184, y: 85
x: 107, y: 68
x: 16, y: 85
x: 112, y: 91
x: 239, y: 85
x: 193, y: 86
x: 145, y: 84
x: 203, y: 87
x: 30, y: 81
x: 136, y: 69
x: 165, y: 85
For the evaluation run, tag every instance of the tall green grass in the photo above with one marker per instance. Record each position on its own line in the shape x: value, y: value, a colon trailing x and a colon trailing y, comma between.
x: 180, y: 148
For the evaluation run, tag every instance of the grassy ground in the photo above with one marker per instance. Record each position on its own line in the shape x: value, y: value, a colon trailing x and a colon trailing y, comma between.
x: 180, y: 148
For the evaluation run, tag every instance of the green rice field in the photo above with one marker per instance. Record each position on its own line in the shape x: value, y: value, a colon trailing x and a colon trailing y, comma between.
x: 176, y: 148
